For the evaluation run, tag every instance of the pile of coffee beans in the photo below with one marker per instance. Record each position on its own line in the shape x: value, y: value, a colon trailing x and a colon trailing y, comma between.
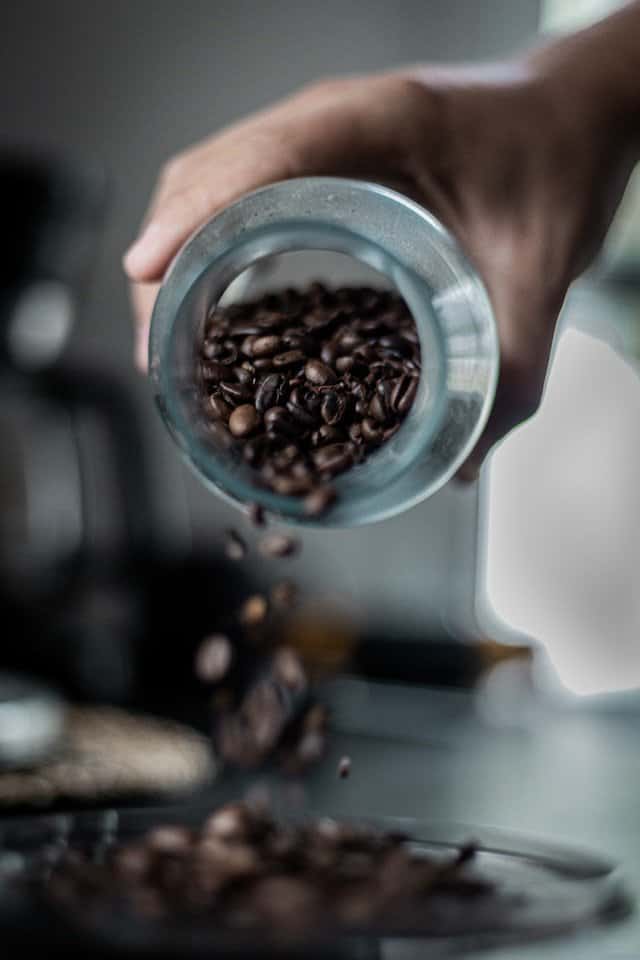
x: 250, y: 874
x: 303, y: 384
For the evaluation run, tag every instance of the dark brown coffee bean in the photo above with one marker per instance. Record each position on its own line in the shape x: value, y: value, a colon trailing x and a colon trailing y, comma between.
x: 329, y: 353
x: 288, y: 485
x: 371, y: 430
x: 278, y: 545
x: 265, y: 346
x: 333, y: 458
x: 284, y: 594
x: 263, y: 365
x: 243, y: 375
x: 213, y: 658
x: 218, y: 407
x: 300, y: 415
x: 213, y: 372
x: 344, y: 769
x: 253, y: 610
x: 378, y: 409
x: 333, y: 408
x: 255, y: 449
x: 319, y: 373
x: 271, y: 392
x: 246, y: 346
x: 355, y: 433
x: 236, y: 393
x: 404, y: 393
x: 256, y: 514
x: 244, y: 420
x: 278, y: 420
x: 235, y: 547
x: 348, y: 341
x: 318, y: 501
x: 288, y: 359
x: 326, y: 434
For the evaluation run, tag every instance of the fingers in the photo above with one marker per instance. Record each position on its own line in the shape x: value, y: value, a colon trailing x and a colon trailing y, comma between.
x: 143, y: 297
x: 351, y: 126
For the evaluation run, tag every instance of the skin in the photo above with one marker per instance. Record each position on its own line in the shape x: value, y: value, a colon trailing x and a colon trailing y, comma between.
x: 525, y: 162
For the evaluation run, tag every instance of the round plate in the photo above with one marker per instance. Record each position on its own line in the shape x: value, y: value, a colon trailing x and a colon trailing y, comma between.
x: 539, y: 890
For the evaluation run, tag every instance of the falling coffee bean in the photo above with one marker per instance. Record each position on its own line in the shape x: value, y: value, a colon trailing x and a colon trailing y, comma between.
x: 344, y: 767
x: 253, y: 610
x: 278, y: 545
x: 213, y: 658
x: 234, y: 546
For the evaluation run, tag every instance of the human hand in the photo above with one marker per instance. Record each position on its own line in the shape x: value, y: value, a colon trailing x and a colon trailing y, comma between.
x: 525, y: 173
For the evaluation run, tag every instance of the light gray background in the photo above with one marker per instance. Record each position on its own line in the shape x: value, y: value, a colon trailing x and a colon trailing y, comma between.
x: 130, y: 82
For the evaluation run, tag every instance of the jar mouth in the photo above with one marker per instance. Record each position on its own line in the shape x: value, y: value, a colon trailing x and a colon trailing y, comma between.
x: 372, y: 225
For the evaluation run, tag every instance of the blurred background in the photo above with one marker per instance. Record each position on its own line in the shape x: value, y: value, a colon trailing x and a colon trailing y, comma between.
x: 112, y: 566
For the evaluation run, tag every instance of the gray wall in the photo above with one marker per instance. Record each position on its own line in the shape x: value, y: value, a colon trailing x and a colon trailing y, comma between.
x: 129, y: 82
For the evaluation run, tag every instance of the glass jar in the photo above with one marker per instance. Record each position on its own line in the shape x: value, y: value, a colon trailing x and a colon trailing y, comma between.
x: 339, y: 232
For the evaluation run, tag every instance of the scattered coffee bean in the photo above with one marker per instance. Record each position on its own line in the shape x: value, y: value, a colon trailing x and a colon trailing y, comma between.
x: 253, y: 610
x: 235, y: 547
x: 278, y: 545
x: 256, y: 514
x: 213, y: 658
x: 344, y: 767
x: 244, y: 420
x: 319, y: 501
x: 284, y: 595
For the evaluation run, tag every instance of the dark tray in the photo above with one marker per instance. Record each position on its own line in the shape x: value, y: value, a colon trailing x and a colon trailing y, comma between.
x: 541, y: 891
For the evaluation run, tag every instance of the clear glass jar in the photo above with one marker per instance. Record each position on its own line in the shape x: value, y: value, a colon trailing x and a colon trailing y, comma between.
x: 339, y: 232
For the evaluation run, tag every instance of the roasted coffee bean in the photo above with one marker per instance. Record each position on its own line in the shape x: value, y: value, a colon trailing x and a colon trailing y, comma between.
x: 333, y: 458
x: 253, y: 610
x: 300, y: 415
x: 333, y: 408
x: 265, y: 346
x: 218, y: 407
x: 371, y: 430
x: 243, y: 375
x: 256, y: 514
x: 263, y: 364
x: 344, y: 767
x: 283, y: 595
x: 278, y: 545
x: 288, y: 485
x: 278, y: 420
x: 271, y: 392
x: 243, y: 330
x: 236, y: 393
x: 244, y: 420
x: 290, y: 358
x: 378, y: 409
x: 255, y: 449
x: 355, y: 433
x: 234, y: 546
x: 329, y: 353
x: 213, y: 372
x: 319, y: 373
x: 404, y: 393
x: 213, y: 658
x: 246, y: 346
x: 326, y: 434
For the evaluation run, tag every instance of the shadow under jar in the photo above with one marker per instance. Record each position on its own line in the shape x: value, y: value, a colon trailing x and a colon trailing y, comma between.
x: 343, y: 233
